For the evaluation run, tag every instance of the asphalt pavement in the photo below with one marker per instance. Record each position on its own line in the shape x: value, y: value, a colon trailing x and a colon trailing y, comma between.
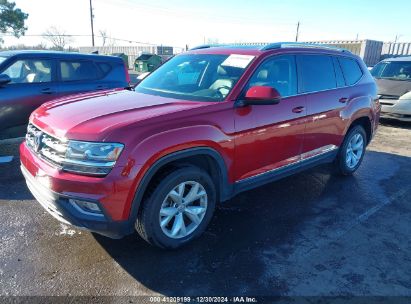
x: 314, y: 233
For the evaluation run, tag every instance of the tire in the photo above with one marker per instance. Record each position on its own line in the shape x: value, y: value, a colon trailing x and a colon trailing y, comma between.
x: 346, y: 163
x: 164, y: 196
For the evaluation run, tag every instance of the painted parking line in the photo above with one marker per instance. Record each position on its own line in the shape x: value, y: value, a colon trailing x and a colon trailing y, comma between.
x: 5, y: 159
x: 16, y: 140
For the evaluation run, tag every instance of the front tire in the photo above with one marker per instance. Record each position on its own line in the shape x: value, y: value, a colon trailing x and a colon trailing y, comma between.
x: 351, y: 152
x: 177, y: 208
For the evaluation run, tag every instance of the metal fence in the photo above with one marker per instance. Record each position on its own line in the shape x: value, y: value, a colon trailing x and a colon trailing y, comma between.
x: 368, y: 50
x: 131, y: 51
x: 391, y: 49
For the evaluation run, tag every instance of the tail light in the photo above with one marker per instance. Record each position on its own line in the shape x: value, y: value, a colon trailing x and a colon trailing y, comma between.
x: 127, y: 74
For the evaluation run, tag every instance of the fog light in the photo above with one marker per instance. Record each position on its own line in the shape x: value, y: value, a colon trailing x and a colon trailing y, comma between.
x: 86, y: 207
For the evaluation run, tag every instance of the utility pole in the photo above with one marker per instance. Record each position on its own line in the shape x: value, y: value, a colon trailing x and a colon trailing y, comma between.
x: 298, y: 30
x: 397, y: 37
x: 92, y: 25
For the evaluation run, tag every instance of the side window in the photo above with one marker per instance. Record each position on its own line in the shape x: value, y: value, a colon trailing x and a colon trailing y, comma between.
x: 317, y: 73
x: 278, y: 72
x: 338, y: 73
x: 30, y: 71
x: 78, y: 70
x: 351, y: 70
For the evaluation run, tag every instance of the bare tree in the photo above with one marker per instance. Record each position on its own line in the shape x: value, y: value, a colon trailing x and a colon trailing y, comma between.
x: 212, y: 41
x: 57, y: 37
x: 104, y: 36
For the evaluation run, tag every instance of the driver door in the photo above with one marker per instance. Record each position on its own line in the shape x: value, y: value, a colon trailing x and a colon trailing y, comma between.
x: 32, y: 84
x: 269, y: 137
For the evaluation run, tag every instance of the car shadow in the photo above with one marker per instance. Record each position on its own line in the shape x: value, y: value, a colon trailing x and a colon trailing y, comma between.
x: 269, y: 221
x: 12, y: 184
x: 387, y: 122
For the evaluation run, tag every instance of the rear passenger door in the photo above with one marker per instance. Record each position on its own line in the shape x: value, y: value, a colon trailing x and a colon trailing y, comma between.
x: 78, y: 76
x: 323, y: 83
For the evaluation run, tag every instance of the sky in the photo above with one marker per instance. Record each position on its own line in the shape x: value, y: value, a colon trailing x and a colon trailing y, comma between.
x: 182, y: 22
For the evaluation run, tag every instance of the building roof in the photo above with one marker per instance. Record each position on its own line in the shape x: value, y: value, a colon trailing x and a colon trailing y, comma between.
x: 404, y: 58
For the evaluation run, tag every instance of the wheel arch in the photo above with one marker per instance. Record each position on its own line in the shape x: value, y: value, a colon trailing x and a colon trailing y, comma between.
x: 366, y: 123
x: 203, y: 157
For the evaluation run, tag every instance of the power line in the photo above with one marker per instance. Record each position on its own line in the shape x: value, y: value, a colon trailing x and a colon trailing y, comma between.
x: 76, y: 35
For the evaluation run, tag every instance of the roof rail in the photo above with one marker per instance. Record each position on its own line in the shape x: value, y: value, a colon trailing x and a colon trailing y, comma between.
x: 205, y: 46
x: 281, y: 45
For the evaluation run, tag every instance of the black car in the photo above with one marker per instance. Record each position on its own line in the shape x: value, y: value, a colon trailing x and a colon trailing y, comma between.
x: 30, y: 78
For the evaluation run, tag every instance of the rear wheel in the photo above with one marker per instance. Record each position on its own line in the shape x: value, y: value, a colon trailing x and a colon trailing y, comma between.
x: 352, y: 151
x: 178, y: 208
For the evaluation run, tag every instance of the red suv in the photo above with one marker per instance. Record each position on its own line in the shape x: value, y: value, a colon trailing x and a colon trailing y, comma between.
x: 205, y: 126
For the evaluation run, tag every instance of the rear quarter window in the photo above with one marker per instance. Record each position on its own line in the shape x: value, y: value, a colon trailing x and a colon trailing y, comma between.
x: 351, y: 70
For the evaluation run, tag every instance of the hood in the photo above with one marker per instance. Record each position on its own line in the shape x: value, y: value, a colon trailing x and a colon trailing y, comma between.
x: 393, y: 87
x: 91, y: 116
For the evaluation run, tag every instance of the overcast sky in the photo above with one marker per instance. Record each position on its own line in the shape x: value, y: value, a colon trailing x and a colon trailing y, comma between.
x: 181, y: 22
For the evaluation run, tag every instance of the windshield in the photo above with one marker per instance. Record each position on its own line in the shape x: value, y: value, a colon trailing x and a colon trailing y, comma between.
x: 197, y: 77
x: 396, y: 70
x: 2, y: 59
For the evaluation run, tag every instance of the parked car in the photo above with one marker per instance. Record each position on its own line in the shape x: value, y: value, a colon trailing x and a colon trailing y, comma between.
x: 30, y: 78
x: 205, y: 126
x: 393, y: 77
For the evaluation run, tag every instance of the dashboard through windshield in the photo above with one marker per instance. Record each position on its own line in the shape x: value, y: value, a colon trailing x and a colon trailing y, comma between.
x: 197, y: 77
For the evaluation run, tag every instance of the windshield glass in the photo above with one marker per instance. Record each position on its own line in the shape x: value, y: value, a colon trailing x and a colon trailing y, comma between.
x: 396, y: 70
x: 2, y: 59
x: 197, y: 77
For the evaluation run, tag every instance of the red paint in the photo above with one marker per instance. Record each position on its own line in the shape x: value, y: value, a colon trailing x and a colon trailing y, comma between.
x: 262, y: 93
x: 251, y: 139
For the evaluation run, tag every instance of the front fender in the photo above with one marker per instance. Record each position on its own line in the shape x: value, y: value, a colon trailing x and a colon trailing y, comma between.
x: 163, y: 147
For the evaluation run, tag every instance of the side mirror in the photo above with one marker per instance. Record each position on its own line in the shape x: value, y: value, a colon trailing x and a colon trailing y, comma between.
x: 4, y: 79
x: 261, y: 95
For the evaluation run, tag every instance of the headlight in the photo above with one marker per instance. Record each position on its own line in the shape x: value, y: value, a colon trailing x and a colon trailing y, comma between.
x: 406, y: 96
x: 91, y: 157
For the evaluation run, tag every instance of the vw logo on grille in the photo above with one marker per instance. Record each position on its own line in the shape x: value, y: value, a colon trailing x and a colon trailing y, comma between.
x: 37, y: 141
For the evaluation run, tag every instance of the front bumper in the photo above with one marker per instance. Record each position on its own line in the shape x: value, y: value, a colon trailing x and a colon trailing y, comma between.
x: 59, y: 207
x: 53, y: 190
x: 396, y: 109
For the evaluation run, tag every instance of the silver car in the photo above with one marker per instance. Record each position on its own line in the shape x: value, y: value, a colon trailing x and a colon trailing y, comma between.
x: 393, y: 77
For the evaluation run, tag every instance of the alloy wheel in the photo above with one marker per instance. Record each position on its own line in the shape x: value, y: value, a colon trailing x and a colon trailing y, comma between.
x: 183, y: 209
x: 355, y: 150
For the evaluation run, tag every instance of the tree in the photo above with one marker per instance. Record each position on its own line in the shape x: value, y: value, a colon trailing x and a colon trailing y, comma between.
x: 12, y: 19
x: 104, y: 36
x: 57, y: 37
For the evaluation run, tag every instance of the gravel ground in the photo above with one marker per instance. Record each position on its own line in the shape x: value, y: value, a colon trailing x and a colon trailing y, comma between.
x: 310, y: 234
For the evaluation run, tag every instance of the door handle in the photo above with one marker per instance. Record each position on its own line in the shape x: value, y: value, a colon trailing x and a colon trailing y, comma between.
x: 47, y: 91
x: 298, y: 109
x: 343, y: 99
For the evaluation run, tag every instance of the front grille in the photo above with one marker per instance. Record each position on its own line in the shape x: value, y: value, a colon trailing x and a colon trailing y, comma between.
x: 45, y: 146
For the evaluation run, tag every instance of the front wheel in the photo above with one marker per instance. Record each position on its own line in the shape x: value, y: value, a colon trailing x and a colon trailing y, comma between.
x: 178, y: 208
x: 352, y: 151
